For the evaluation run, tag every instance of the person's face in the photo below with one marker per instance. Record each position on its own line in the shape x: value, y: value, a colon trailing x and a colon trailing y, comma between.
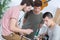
x: 27, y: 8
x: 47, y: 21
x: 37, y: 9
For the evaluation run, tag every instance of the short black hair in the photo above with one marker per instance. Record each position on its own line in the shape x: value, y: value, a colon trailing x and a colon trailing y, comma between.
x: 47, y: 14
x: 38, y: 3
x: 27, y: 2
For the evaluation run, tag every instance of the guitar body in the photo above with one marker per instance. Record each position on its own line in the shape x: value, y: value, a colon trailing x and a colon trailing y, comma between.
x: 44, y: 4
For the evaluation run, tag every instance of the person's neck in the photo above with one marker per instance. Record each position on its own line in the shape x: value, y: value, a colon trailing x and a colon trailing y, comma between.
x: 36, y: 13
x: 52, y: 25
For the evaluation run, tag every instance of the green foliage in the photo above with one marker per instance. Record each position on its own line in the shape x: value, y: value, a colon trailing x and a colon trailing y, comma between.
x: 3, y: 6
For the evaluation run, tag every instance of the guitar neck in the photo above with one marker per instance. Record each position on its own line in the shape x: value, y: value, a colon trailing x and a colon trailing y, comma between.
x: 47, y: 1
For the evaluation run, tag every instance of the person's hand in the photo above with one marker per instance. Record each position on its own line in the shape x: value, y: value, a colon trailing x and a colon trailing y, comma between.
x: 28, y: 31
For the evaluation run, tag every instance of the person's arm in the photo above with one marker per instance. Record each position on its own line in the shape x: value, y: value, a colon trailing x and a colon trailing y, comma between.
x: 14, y: 28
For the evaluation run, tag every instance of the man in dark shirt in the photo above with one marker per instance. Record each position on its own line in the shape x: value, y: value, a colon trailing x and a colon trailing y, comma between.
x: 33, y: 18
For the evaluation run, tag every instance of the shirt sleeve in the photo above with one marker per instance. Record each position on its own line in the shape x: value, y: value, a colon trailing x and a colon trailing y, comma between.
x: 56, y: 34
x: 14, y: 14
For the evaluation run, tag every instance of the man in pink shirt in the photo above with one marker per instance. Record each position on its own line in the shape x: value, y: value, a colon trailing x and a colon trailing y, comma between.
x: 10, y: 19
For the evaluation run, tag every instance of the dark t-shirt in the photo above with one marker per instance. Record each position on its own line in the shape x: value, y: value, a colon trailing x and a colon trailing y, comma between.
x: 32, y: 22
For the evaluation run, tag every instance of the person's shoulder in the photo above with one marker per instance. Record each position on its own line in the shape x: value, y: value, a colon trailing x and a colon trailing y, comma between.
x: 14, y: 7
x: 57, y: 27
x: 41, y: 13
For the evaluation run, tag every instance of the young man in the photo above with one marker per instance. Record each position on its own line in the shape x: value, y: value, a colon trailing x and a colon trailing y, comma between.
x: 33, y: 18
x: 41, y: 32
x: 53, y: 28
x: 10, y: 19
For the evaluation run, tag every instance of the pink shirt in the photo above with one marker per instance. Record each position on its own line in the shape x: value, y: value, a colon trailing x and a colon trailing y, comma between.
x: 13, y: 12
